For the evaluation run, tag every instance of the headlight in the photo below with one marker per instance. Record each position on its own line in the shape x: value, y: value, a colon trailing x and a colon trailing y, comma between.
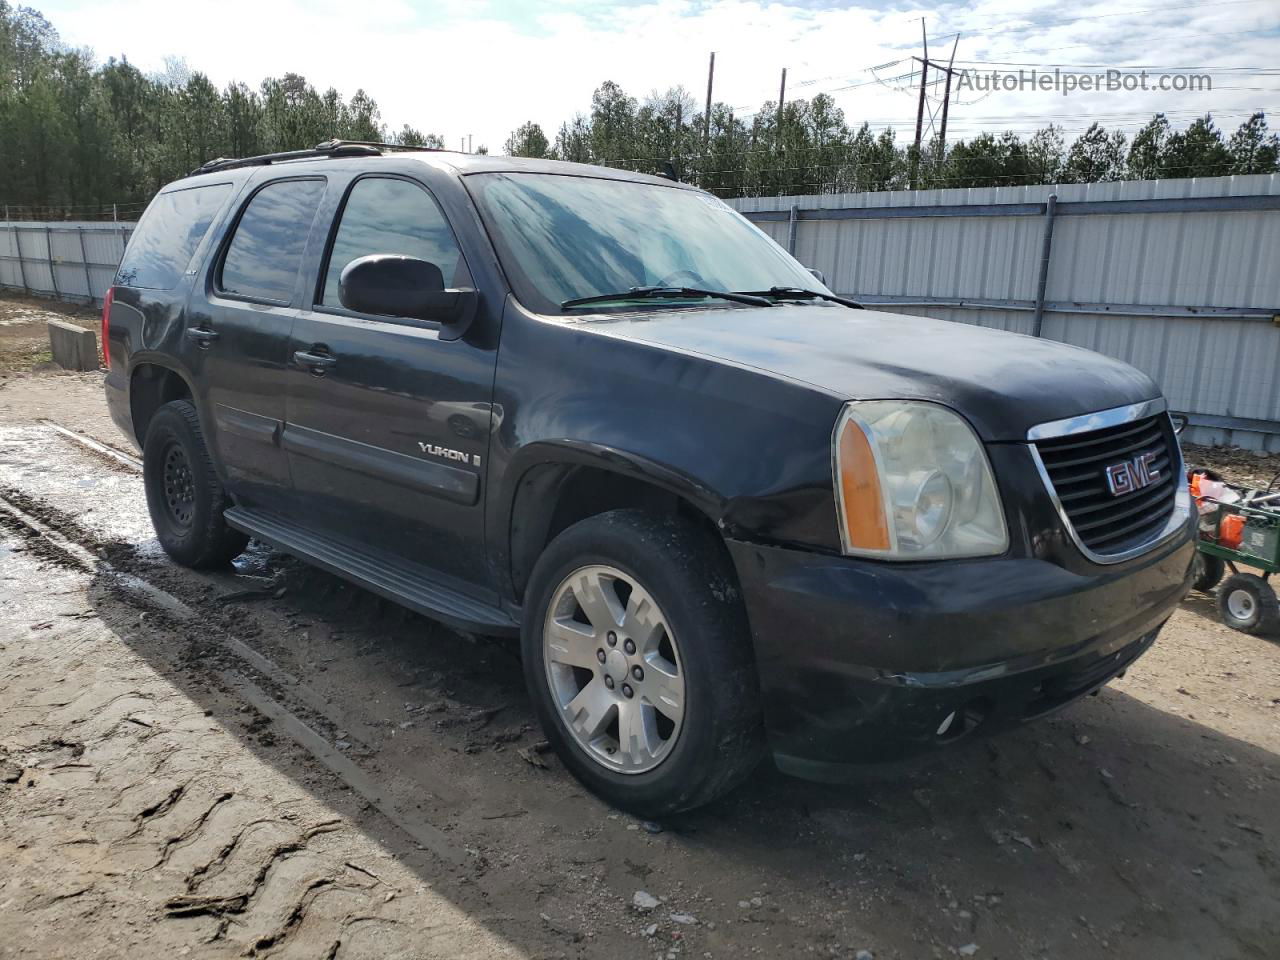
x: 913, y: 483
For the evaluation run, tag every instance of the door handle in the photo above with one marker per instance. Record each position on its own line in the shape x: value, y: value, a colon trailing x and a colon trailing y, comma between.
x: 203, y: 336
x: 317, y: 363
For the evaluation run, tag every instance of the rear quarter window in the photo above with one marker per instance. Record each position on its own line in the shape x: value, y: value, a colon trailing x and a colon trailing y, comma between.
x: 166, y: 238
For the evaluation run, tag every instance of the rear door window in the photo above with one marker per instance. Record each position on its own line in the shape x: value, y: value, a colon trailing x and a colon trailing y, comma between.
x: 161, y: 248
x: 384, y: 215
x: 262, y: 260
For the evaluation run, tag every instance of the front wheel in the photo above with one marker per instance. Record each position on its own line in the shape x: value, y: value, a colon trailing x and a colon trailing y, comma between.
x: 1207, y: 571
x: 637, y: 656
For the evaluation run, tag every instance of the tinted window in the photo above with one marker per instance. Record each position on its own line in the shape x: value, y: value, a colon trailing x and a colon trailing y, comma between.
x: 562, y: 237
x: 263, y: 258
x: 168, y: 235
x: 392, y: 216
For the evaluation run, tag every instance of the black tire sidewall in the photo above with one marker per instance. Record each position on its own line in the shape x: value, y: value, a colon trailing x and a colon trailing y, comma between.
x: 1208, y: 571
x: 171, y: 425
x: 1266, y: 608
x: 706, y: 629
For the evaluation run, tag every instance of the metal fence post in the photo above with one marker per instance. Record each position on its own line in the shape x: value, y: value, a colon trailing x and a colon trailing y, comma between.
x: 792, y: 220
x: 1046, y: 250
x: 84, y: 259
x: 17, y: 249
x: 53, y: 272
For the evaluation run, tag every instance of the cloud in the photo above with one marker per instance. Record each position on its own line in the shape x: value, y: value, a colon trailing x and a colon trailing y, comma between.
x: 485, y: 66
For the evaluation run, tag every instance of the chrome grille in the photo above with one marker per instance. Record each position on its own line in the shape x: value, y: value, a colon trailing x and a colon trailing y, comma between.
x: 1075, y: 467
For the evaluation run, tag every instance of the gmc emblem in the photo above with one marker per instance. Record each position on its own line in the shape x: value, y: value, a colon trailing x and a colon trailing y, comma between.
x: 1130, y: 475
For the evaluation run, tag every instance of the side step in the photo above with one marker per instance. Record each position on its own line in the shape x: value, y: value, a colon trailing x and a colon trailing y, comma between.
x: 404, y: 583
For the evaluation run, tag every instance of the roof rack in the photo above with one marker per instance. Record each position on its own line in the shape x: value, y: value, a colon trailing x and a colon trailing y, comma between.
x: 330, y: 148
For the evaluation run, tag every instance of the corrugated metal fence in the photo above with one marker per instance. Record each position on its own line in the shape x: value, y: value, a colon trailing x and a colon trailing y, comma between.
x: 71, y: 261
x: 1180, y: 278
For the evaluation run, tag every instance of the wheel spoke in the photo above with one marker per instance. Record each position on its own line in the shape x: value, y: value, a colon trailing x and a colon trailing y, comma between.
x: 571, y: 643
x: 638, y: 738
x: 665, y: 691
x: 591, y: 710
x: 599, y: 599
x: 642, y: 621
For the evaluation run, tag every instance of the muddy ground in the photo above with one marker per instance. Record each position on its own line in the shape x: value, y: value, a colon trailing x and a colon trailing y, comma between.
x: 268, y: 762
x: 24, y: 337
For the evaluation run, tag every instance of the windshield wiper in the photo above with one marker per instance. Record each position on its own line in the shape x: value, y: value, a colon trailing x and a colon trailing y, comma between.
x: 799, y: 293
x: 670, y: 293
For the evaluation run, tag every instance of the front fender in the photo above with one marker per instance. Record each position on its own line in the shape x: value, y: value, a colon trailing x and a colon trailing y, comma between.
x: 750, y: 451
x: 626, y: 463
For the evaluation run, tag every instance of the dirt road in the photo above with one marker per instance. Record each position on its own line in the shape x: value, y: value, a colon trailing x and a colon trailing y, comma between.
x: 269, y: 762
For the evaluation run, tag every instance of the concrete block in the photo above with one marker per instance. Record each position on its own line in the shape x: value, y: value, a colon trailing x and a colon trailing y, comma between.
x: 74, y: 348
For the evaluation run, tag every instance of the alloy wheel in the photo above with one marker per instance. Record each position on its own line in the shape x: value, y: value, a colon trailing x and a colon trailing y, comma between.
x: 614, y: 670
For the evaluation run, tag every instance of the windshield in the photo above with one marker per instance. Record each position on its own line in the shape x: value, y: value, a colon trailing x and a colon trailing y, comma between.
x: 565, y: 237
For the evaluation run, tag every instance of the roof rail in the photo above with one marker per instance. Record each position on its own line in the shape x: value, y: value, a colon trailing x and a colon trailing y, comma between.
x: 416, y: 147
x: 330, y: 148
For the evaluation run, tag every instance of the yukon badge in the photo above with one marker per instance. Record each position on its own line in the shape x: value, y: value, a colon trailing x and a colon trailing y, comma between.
x: 445, y: 453
x: 1130, y: 475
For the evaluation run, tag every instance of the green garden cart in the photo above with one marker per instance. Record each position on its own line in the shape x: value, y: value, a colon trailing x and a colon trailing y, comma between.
x: 1241, y: 534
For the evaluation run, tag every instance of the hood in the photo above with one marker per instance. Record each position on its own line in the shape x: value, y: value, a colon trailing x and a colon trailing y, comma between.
x: 1004, y: 383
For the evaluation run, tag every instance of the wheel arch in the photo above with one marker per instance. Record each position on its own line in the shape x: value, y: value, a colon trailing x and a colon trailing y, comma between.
x: 152, y: 384
x: 556, y: 484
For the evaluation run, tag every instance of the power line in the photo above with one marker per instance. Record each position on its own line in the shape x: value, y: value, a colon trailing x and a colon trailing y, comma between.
x: 1011, y: 25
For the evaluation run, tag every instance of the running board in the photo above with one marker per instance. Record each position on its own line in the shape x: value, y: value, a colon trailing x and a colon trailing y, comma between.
x: 401, y: 582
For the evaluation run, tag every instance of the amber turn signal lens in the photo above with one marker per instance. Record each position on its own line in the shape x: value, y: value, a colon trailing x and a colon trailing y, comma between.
x: 866, y: 527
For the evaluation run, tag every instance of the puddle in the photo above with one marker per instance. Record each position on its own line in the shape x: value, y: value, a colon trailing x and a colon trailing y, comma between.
x: 109, y: 502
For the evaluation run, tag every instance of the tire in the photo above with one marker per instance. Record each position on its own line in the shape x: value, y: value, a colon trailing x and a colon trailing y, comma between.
x: 700, y: 657
x: 184, y: 496
x: 1247, y: 603
x: 1207, y: 572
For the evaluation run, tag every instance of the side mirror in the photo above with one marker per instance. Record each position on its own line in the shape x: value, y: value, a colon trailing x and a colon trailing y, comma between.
x: 818, y: 275
x: 389, y: 285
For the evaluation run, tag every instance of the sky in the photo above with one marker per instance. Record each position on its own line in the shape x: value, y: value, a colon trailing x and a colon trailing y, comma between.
x: 478, y: 69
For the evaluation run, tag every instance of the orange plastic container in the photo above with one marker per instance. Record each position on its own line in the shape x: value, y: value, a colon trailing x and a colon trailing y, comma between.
x: 1230, y: 531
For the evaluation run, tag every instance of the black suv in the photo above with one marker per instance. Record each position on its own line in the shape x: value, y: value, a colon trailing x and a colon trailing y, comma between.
x: 726, y: 512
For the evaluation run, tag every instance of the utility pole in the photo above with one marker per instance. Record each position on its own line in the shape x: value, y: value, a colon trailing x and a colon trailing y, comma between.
x: 946, y: 103
x: 675, y: 150
x: 706, y: 116
x: 782, y: 98
x: 468, y: 143
x: 924, y: 73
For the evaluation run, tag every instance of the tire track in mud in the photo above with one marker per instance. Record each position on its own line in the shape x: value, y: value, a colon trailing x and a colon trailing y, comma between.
x: 285, y: 896
x: 105, y: 453
x: 30, y: 514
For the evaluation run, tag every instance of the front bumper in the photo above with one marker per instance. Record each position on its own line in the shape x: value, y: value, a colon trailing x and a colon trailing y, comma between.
x: 865, y: 661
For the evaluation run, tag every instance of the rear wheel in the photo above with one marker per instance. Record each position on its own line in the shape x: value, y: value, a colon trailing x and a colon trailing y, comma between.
x: 637, y: 657
x: 184, y: 496
x: 1247, y: 603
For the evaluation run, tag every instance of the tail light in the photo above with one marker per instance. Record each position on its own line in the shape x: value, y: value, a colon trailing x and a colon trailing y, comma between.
x: 106, y: 325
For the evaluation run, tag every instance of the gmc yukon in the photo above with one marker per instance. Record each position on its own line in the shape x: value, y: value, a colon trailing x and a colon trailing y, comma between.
x: 727, y: 513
